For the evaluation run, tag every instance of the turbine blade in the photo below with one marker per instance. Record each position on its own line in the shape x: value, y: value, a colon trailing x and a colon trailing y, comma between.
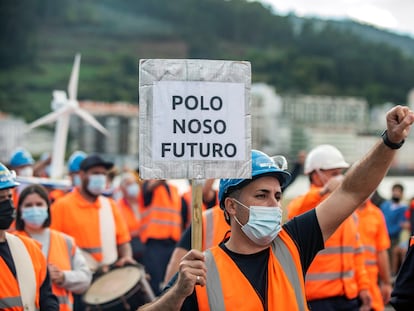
x: 74, y: 78
x: 49, y: 118
x: 91, y: 120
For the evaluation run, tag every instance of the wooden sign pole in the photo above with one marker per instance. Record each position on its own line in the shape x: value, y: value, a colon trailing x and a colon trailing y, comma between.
x: 197, y: 211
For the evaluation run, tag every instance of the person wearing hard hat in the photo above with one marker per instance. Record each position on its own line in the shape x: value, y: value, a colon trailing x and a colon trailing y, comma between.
x: 21, y: 161
x: 215, y: 227
x: 74, y: 162
x: 263, y: 263
x: 337, y: 275
x: 24, y: 277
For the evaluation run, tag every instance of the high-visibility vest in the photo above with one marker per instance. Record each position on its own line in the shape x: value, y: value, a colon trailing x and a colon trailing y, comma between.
x: 161, y: 219
x: 132, y: 220
x: 228, y: 289
x: 338, y: 269
x: 61, y: 251
x: 374, y: 238
x: 10, y: 296
x: 305, y: 202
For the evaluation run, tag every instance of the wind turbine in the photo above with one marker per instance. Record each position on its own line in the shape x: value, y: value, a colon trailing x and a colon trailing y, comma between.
x: 63, y: 107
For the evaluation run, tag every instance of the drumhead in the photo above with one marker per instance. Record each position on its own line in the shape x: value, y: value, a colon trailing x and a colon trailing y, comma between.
x: 112, y: 285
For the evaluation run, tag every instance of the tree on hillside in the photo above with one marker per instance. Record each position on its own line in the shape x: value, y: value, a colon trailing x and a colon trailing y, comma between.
x: 17, y: 32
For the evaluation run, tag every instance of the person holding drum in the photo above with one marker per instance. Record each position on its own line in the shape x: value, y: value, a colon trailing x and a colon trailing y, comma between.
x: 262, y: 265
x: 24, y: 278
x: 67, y: 266
x: 94, y: 220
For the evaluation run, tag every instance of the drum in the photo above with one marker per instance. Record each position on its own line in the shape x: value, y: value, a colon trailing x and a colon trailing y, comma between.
x: 123, y: 288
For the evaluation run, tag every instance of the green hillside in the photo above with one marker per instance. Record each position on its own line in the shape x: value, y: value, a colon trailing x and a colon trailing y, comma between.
x: 39, y: 40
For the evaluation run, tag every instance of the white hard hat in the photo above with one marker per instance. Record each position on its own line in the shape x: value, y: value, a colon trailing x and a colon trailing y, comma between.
x: 324, y: 157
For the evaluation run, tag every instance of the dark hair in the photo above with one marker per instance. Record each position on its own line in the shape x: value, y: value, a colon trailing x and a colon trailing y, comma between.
x: 31, y: 189
x: 398, y: 186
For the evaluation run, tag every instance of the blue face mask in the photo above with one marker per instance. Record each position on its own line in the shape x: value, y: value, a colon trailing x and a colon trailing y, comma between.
x: 264, y: 224
x: 133, y: 190
x: 97, y: 184
x: 34, y: 216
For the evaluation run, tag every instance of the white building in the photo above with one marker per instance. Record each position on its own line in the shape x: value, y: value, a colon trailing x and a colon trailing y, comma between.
x: 121, y: 121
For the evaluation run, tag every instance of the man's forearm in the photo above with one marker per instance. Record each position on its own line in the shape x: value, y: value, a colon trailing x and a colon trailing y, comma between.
x: 125, y: 250
x: 384, y: 267
x: 170, y: 301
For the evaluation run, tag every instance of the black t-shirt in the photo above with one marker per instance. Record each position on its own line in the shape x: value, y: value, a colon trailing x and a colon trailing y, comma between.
x: 47, y: 300
x: 402, y: 296
x: 303, y: 229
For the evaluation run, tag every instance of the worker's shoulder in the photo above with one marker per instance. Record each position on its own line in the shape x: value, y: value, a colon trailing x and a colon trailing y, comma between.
x: 31, y: 244
x: 68, y: 197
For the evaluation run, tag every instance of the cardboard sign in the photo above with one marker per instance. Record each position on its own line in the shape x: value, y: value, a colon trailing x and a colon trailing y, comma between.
x: 194, y: 119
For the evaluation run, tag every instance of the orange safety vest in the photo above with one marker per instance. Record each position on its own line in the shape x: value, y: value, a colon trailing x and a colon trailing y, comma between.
x: 228, y: 289
x: 10, y: 299
x: 338, y: 269
x: 132, y: 221
x: 61, y: 251
x: 374, y: 238
x: 305, y: 202
x: 215, y: 227
x: 412, y: 241
x: 161, y: 219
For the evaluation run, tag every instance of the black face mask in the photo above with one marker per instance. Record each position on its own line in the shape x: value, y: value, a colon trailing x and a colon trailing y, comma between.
x: 396, y: 199
x: 7, y: 214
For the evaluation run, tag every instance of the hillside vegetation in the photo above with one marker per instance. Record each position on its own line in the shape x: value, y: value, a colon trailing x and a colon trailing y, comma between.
x: 39, y: 40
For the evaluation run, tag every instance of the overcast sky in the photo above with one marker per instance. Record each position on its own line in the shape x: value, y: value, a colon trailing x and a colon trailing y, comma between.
x: 394, y: 15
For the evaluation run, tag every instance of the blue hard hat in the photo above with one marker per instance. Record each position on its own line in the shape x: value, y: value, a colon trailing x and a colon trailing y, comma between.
x: 21, y: 157
x: 75, y: 160
x: 262, y: 165
x: 7, y: 179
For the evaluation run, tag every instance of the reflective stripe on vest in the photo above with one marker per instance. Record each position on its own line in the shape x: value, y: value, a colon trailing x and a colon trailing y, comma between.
x: 332, y: 250
x: 64, y: 300
x: 370, y: 262
x: 280, y: 250
x: 107, y: 232
x: 327, y: 276
x: 283, y: 256
x: 61, y: 254
x: 71, y: 250
x: 11, y: 302
x: 24, y: 271
x: 161, y: 219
